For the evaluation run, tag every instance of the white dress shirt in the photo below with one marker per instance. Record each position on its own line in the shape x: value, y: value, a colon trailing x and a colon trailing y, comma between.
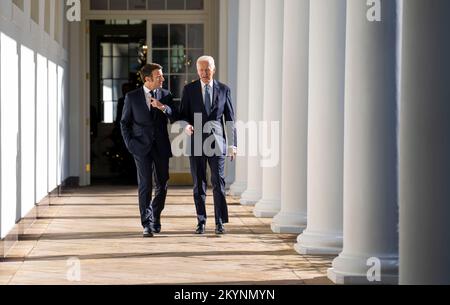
x: 211, y: 89
x: 148, y: 97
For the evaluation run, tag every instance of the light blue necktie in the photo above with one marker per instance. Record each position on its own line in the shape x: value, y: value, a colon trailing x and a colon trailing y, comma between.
x: 207, y: 100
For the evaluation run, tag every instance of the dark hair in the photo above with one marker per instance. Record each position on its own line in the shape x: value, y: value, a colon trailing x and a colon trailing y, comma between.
x: 147, y: 70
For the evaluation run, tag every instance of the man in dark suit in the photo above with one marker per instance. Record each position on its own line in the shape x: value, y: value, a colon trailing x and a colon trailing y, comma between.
x: 209, y: 101
x: 146, y: 113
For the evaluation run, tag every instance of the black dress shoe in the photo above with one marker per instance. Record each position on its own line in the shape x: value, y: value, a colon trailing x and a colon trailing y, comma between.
x: 220, y: 229
x: 147, y: 232
x: 156, y: 228
x: 200, y: 228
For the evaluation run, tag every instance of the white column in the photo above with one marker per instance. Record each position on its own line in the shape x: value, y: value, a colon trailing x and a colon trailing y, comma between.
x: 424, y: 144
x: 370, y: 146
x: 292, y: 217
x: 256, y: 79
x: 323, y: 234
x: 242, y: 103
x: 269, y: 205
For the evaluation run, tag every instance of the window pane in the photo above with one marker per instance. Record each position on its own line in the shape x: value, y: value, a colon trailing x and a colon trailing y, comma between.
x: 134, y: 64
x: 175, y: 4
x: 97, y: 4
x: 107, y: 90
x: 156, y: 4
x: 118, y: 5
x: 106, y: 67
x: 195, y: 36
x: 194, y: 4
x: 106, y: 49
x: 120, y: 49
x: 162, y: 58
x: 178, y: 60
x: 137, y: 4
x: 117, y: 88
x: 177, y: 34
x: 132, y: 21
x: 177, y: 83
x: 192, y: 57
x: 109, y: 111
x: 160, y: 33
x: 134, y: 49
x: 120, y: 67
x: 118, y: 22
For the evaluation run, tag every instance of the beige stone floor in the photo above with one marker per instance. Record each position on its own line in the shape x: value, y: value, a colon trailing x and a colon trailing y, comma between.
x: 98, y: 230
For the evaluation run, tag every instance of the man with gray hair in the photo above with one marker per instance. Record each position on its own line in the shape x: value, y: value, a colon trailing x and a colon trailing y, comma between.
x: 209, y: 100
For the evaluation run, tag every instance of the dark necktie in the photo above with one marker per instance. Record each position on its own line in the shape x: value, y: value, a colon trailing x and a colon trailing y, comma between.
x: 153, y: 111
x: 207, y: 100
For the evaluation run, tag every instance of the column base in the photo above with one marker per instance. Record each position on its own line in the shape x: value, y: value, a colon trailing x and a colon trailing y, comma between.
x: 250, y: 197
x: 238, y: 188
x: 285, y: 222
x: 355, y: 270
x: 315, y: 243
x: 267, y: 208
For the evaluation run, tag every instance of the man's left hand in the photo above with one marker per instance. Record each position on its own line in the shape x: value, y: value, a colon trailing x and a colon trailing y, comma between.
x: 232, y: 153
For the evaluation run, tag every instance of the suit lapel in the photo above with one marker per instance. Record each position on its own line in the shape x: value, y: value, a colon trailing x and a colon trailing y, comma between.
x: 216, y: 94
x: 199, y: 97
x: 142, y: 98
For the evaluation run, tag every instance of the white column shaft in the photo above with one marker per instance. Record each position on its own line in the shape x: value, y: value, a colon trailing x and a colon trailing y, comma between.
x: 242, y: 102
x: 424, y: 144
x: 323, y: 234
x: 256, y: 78
x: 269, y: 205
x: 370, y: 145
x: 292, y: 216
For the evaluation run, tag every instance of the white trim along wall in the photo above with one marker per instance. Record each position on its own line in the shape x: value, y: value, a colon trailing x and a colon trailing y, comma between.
x: 34, y: 127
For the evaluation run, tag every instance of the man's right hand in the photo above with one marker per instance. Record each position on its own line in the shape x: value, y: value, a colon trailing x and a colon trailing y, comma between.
x: 189, y: 130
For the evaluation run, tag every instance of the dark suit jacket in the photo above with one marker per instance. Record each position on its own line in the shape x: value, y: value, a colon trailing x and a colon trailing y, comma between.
x: 222, y: 107
x: 143, y: 129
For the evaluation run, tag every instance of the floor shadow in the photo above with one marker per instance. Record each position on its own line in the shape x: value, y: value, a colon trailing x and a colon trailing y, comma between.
x: 278, y: 253
x: 132, y: 234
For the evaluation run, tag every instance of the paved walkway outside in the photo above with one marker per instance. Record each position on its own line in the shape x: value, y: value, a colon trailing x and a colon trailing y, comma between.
x: 98, y: 229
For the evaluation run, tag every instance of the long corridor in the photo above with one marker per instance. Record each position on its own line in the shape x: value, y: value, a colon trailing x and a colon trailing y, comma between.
x: 93, y: 236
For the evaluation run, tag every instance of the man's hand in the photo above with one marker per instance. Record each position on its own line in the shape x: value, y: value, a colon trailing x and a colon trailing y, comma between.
x: 232, y: 153
x: 189, y: 130
x: 157, y: 104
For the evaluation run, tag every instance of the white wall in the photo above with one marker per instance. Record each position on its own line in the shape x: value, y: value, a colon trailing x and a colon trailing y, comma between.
x: 33, y: 112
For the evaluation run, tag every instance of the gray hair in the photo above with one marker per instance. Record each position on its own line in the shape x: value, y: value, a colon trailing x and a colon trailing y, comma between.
x: 208, y: 59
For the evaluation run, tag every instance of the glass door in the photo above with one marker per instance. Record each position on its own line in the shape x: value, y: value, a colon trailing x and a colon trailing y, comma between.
x: 118, y: 51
